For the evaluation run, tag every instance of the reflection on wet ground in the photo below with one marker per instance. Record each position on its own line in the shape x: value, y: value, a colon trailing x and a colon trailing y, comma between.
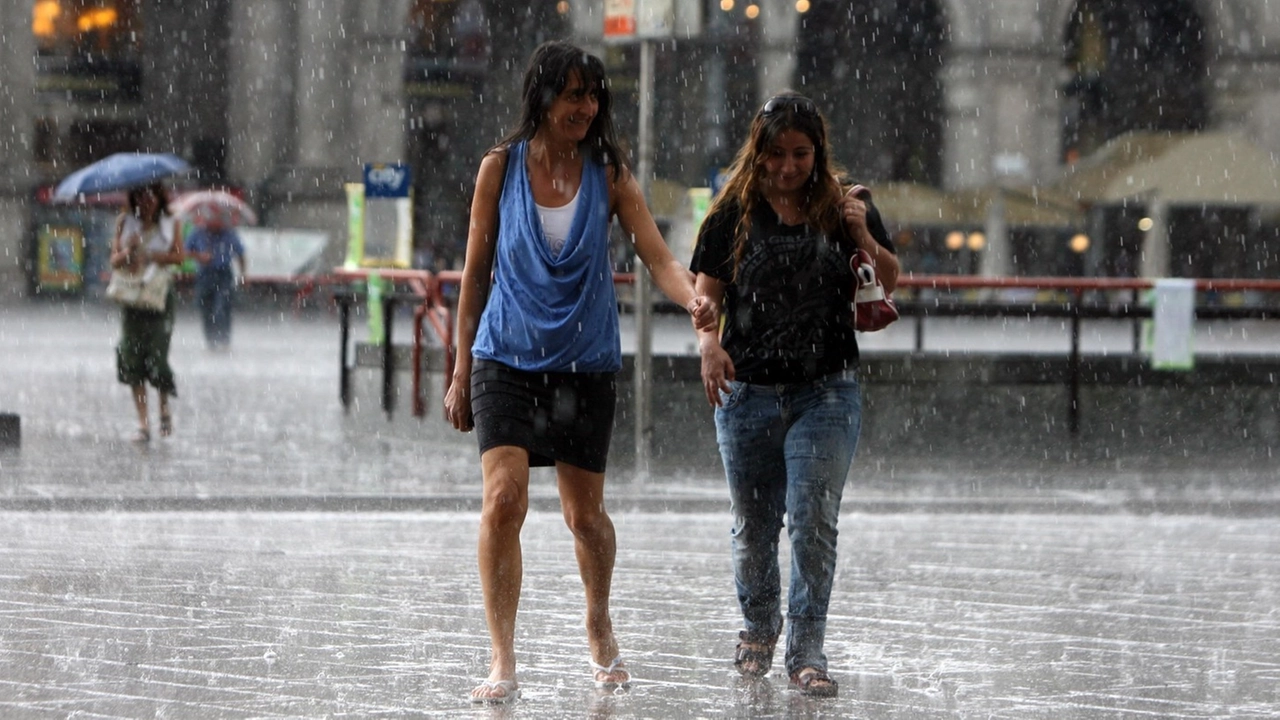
x: 261, y: 427
x: 347, y: 614
x: 179, y: 586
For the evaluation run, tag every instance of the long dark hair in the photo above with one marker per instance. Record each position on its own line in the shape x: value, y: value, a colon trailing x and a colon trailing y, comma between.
x: 162, y: 201
x: 549, y: 70
x: 822, y: 192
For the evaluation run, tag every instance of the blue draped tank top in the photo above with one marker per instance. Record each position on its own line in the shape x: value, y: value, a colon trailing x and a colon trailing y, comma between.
x: 551, y: 312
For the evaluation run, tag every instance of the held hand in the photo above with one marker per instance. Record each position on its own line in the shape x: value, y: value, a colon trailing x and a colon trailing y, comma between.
x: 704, y: 313
x: 457, y: 405
x: 717, y: 371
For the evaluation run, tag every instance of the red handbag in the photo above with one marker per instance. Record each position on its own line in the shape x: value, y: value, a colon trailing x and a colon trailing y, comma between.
x: 873, y: 308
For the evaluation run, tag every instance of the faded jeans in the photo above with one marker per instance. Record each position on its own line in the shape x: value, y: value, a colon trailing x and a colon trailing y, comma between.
x: 787, y: 451
x: 214, y: 296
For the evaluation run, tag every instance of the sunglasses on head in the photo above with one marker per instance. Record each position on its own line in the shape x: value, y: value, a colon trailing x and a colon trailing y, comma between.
x: 795, y: 103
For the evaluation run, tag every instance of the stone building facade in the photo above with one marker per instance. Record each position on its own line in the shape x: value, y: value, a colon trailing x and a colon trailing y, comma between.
x: 287, y: 99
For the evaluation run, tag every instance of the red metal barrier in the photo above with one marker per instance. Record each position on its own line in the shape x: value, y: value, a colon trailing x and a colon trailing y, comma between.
x: 434, y: 307
x: 1080, y: 284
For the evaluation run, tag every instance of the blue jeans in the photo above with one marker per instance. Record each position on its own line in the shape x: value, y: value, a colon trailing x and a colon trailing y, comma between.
x: 787, y: 451
x: 213, y: 295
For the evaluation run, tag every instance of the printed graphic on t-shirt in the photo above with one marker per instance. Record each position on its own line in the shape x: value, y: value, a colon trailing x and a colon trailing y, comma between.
x: 785, y: 301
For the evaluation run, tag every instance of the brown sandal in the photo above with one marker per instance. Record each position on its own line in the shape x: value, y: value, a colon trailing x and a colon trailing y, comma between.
x: 753, y: 658
x: 815, y: 683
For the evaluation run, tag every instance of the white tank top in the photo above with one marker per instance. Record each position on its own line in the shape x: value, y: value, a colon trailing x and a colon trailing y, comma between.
x: 157, y: 240
x: 557, y: 221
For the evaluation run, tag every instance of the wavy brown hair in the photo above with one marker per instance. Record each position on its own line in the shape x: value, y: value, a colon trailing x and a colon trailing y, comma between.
x: 545, y: 77
x: 822, y: 191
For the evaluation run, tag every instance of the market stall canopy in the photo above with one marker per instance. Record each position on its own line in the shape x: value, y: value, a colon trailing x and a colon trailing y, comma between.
x: 915, y: 205
x: 1024, y: 206
x: 1212, y: 168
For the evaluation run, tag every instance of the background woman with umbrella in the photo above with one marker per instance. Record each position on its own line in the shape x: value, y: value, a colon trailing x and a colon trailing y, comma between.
x: 146, y: 234
x: 215, y: 245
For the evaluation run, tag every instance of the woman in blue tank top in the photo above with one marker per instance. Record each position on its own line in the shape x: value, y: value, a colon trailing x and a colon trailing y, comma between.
x: 538, y: 343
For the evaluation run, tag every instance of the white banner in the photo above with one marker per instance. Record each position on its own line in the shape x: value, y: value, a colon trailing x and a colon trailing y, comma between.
x: 1173, y: 315
x: 282, y: 253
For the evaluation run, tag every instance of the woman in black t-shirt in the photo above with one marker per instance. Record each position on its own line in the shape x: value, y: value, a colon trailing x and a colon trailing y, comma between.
x: 774, y: 252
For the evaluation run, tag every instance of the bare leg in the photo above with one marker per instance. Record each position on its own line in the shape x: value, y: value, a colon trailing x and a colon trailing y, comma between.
x: 595, y: 544
x: 166, y: 420
x: 506, y: 502
x: 140, y: 406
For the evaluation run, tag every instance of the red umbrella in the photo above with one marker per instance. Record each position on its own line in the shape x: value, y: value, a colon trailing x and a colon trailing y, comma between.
x: 213, y: 208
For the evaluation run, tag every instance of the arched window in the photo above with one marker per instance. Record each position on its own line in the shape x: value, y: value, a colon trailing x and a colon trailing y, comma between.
x: 873, y: 66
x: 1136, y: 65
x: 87, y: 52
x: 88, y: 49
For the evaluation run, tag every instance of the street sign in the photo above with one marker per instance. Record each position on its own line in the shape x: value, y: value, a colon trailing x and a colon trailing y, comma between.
x: 619, y: 19
x: 386, y: 180
x: 384, y: 220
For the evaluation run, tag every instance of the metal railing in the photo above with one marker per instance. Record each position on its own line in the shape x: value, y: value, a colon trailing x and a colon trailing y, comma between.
x: 1078, y: 300
x: 1076, y: 307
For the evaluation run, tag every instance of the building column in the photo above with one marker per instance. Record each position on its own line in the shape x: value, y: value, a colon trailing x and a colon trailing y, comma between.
x: 776, y: 61
x: 259, y: 102
x: 17, y: 164
x: 307, y: 191
x: 1155, y: 241
x: 966, y: 155
x: 997, y: 257
x: 320, y: 104
x: 378, y: 106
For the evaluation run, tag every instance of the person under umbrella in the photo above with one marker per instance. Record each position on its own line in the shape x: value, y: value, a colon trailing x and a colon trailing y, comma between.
x: 146, y: 234
x: 215, y: 244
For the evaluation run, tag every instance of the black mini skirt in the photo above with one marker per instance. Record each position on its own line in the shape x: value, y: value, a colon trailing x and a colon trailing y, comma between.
x: 557, y: 417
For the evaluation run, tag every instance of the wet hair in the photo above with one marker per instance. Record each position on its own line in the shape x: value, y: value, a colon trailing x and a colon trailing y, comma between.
x: 822, y: 192
x: 135, y: 201
x: 548, y: 73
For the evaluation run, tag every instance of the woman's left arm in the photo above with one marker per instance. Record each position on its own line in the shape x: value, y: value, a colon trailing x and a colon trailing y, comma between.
x: 885, y: 262
x: 675, y: 281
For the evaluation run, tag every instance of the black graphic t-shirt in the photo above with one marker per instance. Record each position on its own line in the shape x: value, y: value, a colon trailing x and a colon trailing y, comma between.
x: 787, y: 316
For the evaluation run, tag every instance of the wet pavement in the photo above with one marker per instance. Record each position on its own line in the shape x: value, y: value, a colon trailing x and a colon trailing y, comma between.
x: 243, y: 615
x: 280, y: 558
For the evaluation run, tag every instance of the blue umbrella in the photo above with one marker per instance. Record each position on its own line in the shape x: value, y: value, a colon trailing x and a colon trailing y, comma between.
x: 118, y: 172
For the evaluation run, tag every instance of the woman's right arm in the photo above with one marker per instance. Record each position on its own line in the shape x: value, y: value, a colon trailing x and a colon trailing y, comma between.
x: 476, y: 276
x: 717, y: 367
